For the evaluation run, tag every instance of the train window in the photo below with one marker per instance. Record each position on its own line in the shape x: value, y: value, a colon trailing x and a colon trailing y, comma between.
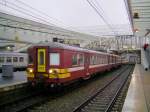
x: 74, y: 60
x: 41, y: 56
x: 105, y: 59
x: 99, y: 59
x: 95, y: 59
x: 8, y: 59
x: 92, y: 60
x: 1, y: 59
x: 15, y: 59
x: 30, y: 61
x: 102, y: 59
x: 21, y: 59
x: 54, y: 59
x: 81, y: 59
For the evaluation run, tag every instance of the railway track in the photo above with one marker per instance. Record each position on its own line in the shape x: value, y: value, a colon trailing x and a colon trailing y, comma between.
x: 18, y: 100
x: 104, y: 99
x: 36, y: 98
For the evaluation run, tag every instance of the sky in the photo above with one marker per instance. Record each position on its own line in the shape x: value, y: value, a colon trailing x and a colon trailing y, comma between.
x: 73, y: 14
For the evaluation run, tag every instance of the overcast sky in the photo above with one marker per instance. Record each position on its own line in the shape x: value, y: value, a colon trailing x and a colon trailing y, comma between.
x: 72, y: 13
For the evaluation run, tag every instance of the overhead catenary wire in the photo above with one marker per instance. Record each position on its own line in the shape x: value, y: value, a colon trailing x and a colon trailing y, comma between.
x: 24, y: 11
x: 101, y: 16
x: 61, y: 23
x: 103, y: 12
x: 66, y: 27
x: 40, y: 12
x: 29, y: 13
x: 44, y: 17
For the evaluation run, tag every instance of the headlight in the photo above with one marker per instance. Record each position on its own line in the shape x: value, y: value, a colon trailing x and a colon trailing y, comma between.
x: 50, y: 71
x: 54, y: 71
x: 30, y: 70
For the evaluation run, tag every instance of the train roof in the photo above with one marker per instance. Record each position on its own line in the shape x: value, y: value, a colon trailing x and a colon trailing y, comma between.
x: 64, y: 46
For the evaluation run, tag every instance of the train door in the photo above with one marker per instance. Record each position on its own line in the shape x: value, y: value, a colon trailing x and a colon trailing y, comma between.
x: 41, y: 60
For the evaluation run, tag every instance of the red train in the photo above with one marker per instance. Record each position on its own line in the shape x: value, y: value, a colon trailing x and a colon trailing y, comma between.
x: 57, y: 64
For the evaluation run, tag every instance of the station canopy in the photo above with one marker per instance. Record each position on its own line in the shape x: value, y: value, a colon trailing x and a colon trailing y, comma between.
x: 141, y: 17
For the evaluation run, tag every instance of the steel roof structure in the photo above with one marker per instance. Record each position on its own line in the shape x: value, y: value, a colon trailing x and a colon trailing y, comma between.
x: 141, y: 17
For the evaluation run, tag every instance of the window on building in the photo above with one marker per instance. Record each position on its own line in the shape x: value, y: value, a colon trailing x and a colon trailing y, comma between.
x: 54, y: 59
x: 15, y: 59
x: 21, y: 59
x: 8, y: 59
x: 2, y: 59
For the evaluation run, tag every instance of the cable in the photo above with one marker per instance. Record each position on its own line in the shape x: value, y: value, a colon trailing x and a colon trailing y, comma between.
x: 9, y: 5
x: 31, y: 15
x: 32, y: 10
x: 99, y: 9
x: 103, y: 12
x: 39, y: 11
x: 96, y: 10
x: 61, y: 29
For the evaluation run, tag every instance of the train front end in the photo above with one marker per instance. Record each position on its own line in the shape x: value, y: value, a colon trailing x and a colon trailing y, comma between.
x: 44, y: 66
x: 38, y: 66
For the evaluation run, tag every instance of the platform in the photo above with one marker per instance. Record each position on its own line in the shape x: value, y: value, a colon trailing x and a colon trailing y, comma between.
x: 138, y: 96
x: 18, y: 80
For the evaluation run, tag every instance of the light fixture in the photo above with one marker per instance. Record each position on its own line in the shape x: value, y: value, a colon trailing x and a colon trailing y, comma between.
x: 50, y: 71
x: 136, y: 30
x: 136, y: 15
x: 30, y: 70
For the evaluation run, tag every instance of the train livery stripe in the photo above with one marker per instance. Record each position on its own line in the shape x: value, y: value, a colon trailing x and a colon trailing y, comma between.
x: 100, y: 65
x: 75, y: 69
x: 52, y: 76
x: 65, y: 75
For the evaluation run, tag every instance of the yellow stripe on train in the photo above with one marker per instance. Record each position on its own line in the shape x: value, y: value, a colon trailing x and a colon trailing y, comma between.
x: 59, y: 70
x: 65, y: 75
x: 57, y: 73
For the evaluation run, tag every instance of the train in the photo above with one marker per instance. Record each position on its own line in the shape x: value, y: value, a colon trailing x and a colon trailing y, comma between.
x: 55, y: 64
x: 18, y: 60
